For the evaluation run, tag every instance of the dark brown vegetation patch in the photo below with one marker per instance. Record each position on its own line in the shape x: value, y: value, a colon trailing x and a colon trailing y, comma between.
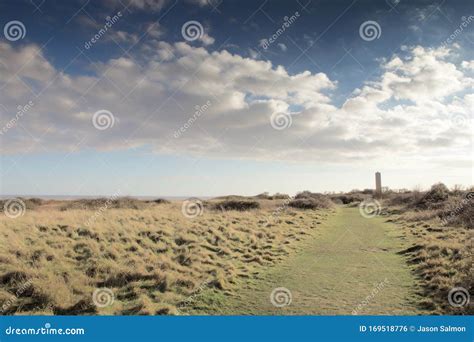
x: 239, y: 205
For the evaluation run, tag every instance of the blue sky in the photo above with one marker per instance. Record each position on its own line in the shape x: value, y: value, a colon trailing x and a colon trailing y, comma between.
x: 400, y: 102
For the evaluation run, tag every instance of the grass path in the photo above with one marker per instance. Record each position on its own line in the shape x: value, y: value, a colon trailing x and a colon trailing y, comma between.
x: 351, y: 263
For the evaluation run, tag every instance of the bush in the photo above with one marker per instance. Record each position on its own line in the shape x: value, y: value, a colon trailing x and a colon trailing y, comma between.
x: 347, y: 199
x: 239, y: 205
x: 276, y: 196
x: 159, y: 201
x: 438, y: 193
x: 309, y: 200
x: 434, y: 198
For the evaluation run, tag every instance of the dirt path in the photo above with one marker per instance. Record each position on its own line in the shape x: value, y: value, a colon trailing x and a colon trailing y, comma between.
x: 350, y: 264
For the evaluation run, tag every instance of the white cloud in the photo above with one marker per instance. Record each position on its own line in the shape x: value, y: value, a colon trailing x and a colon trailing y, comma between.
x: 154, y: 5
x: 207, y: 39
x: 282, y: 47
x: 407, y: 112
x: 468, y: 65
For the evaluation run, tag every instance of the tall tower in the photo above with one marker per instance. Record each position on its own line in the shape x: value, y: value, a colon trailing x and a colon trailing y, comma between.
x: 378, y: 184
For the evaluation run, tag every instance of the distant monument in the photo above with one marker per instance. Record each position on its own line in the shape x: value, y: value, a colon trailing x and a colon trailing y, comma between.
x: 378, y: 184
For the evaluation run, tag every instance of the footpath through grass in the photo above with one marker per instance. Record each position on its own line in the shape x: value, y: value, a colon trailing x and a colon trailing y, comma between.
x: 350, y: 265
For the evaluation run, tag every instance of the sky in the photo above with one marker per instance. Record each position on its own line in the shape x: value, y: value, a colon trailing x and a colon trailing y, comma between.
x: 210, y: 97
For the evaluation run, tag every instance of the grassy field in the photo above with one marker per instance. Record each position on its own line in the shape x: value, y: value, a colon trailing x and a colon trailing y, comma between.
x: 312, y: 254
x: 350, y: 265
x: 149, y: 260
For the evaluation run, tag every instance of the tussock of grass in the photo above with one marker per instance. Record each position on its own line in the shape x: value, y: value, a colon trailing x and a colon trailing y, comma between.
x: 151, y: 256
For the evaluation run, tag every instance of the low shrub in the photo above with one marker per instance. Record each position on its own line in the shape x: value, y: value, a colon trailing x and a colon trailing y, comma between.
x: 239, y: 205
x: 309, y: 200
x: 434, y: 198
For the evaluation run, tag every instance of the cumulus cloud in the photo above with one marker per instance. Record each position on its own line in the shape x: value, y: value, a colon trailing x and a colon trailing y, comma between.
x: 222, y: 104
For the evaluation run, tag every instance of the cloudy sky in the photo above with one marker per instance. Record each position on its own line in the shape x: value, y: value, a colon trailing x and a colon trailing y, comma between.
x: 203, y: 97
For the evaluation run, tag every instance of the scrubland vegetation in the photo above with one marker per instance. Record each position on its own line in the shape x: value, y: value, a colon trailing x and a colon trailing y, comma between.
x: 440, y: 223
x: 147, y: 253
x: 155, y: 260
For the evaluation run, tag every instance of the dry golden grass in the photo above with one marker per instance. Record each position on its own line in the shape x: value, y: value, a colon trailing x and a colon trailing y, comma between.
x: 441, y: 255
x: 153, y: 259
